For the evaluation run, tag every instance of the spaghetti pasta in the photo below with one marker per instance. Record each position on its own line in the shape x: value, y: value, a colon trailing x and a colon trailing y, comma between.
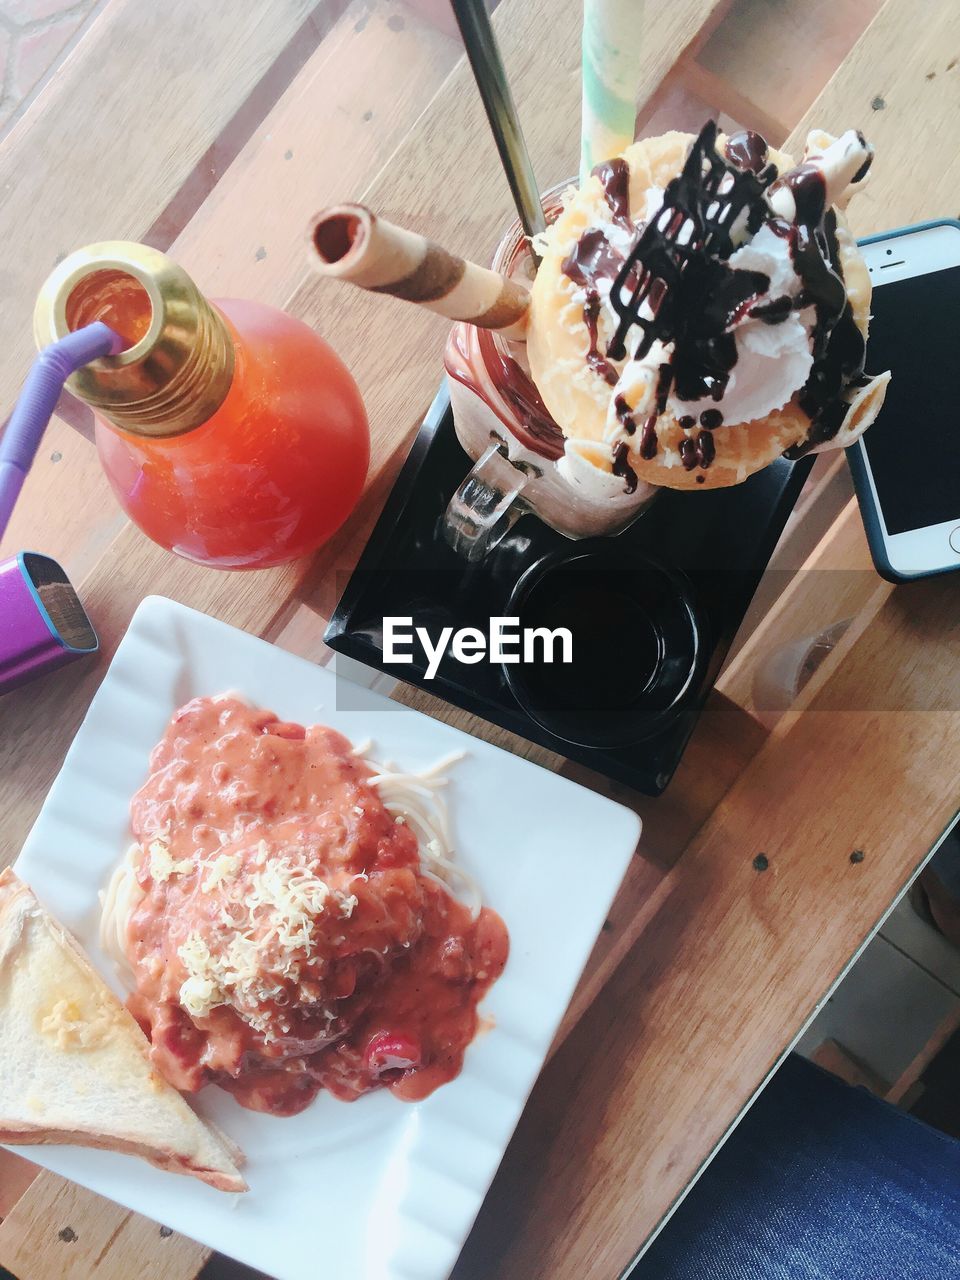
x: 412, y: 796
x: 292, y: 915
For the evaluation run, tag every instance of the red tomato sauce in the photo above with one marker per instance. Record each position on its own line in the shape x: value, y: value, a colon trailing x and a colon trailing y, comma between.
x: 278, y: 887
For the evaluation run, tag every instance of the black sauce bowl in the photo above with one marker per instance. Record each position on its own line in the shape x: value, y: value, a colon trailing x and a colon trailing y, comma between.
x: 637, y: 645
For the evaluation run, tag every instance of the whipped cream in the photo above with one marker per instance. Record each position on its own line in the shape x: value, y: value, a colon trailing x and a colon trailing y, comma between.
x: 760, y: 326
x: 585, y: 466
x: 838, y: 160
x: 773, y: 360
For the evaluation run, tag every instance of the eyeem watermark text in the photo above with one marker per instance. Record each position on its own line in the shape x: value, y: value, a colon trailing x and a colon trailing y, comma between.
x: 506, y: 641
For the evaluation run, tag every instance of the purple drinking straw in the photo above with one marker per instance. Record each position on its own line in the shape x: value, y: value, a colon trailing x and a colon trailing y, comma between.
x: 38, y: 399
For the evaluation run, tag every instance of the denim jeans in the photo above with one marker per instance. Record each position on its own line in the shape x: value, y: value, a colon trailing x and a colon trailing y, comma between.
x: 819, y: 1181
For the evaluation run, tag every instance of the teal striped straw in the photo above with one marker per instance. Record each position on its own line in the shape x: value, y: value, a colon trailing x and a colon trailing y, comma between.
x: 612, y: 34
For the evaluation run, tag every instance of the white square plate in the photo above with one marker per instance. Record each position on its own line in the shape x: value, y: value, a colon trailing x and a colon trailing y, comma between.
x: 377, y: 1189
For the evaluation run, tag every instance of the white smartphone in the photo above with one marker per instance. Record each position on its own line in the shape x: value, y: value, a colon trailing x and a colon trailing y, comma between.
x: 906, y: 467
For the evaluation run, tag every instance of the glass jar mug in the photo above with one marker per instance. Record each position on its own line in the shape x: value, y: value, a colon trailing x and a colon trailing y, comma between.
x: 503, y: 425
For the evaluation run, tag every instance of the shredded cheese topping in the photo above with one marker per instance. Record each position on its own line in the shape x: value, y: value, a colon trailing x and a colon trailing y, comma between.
x: 163, y: 866
x: 224, y: 867
x: 268, y: 906
x: 263, y: 928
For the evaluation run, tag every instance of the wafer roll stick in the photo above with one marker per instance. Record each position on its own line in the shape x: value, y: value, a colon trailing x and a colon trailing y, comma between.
x: 349, y: 242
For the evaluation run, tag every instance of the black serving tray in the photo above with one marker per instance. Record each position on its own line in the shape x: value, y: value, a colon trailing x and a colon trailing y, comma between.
x: 721, y: 539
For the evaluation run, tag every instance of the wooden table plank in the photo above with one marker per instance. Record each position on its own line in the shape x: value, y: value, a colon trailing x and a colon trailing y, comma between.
x: 822, y: 500
x: 105, y: 147
x: 264, y: 602
x: 723, y: 745
x: 837, y: 581
x: 336, y: 126
x: 16, y: 1174
x: 59, y: 1231
x: 728, y: 969
x: 339, y: 120
x: 765, y: 72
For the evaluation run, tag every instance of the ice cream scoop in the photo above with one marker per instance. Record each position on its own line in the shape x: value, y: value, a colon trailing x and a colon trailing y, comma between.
x: 701, y: 309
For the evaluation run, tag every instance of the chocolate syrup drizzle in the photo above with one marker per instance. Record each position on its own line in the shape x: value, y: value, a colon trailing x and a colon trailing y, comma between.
x: 684, y: 247
x: 614, y: 177
x: 534, y: 425
x: 591, y: 314
x: 748, y: 151
x: 697, y: 453
x: 648, y: 437
x: 625, y: 414
x: 839, y: 348
x: 676, y: 286
x: 621, y: 467
x: 593, y: 258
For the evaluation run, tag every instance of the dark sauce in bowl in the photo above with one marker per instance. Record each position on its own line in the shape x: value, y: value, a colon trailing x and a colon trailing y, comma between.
x: 635, y: 645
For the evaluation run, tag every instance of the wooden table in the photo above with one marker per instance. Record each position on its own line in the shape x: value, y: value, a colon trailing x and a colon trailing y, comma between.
x: 214, y: 131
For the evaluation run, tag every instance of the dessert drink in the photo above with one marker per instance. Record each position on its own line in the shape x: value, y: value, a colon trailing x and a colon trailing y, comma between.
x: 700, y: 309
x: 500, y: 417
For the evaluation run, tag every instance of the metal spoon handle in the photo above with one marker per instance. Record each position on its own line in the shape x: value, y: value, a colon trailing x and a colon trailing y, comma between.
x: 481, y: 46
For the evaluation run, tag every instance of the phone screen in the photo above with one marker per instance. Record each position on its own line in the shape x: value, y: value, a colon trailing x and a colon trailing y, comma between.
x: 914, y: 446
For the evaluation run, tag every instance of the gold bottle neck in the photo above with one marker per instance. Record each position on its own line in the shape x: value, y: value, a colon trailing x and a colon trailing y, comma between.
x: 179, y: 367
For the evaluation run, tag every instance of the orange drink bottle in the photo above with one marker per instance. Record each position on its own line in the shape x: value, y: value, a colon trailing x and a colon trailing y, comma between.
x: 230, y: 432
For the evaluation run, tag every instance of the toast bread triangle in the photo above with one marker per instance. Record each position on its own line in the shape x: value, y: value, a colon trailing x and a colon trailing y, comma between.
x: 74, y: 1064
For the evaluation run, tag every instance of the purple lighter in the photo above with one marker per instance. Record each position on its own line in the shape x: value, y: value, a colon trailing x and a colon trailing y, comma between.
x: 42, y: 622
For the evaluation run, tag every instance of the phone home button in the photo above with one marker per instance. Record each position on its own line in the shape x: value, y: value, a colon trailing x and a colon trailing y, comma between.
x: 955, y: 539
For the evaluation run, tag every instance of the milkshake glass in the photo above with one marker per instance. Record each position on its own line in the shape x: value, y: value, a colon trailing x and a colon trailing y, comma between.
x: 518, y: 450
